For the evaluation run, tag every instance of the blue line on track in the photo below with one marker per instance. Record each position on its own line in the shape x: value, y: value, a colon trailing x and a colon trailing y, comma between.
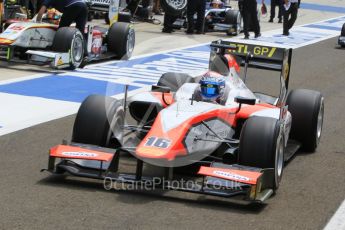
x: 317, y: 7
x: 323, y: 27
x: 66, y: 88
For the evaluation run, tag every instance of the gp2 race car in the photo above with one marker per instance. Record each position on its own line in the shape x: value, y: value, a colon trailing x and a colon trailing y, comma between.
x: 65, y: 48
x: 341, y: 39
x: 218, y: 19
x: 233, y: 149
x: 101, y: 7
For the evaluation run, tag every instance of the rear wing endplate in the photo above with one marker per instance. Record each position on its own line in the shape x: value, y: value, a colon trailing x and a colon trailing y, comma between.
x: 263, y: 57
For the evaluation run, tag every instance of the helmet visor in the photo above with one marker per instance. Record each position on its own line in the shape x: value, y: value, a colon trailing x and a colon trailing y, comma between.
x: 209, y: 90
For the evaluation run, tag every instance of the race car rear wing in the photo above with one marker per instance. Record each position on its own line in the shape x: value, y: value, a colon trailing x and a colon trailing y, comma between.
x: 262, y: 57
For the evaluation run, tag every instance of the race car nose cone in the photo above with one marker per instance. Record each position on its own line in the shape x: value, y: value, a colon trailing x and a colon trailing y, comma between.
x: 4, y: 41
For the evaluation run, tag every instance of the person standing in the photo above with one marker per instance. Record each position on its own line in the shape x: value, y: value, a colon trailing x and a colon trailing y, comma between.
x: 290, y: 14
x: 72, y: 11
x: 274, y: 4
x: 198, y: 7
x: 250, y: 17
x: 157, y: 7
x: 169, y: 20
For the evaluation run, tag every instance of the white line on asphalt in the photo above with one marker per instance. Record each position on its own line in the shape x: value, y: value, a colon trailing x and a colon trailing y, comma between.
x: 337, y: 222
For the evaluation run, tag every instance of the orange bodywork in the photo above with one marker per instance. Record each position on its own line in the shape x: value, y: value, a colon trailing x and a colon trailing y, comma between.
x: 74, y: 152
x: 242, y: 176
x: 168, y: 98
x: 4, y: 41
x: 232, y: 63
x: 175, y: 136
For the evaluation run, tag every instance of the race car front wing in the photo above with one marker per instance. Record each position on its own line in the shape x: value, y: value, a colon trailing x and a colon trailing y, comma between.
x: 215, y: 179
x: 55, y: 59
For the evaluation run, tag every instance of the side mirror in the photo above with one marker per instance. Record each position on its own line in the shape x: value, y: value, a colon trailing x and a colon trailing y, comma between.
x: 161, y: 89
x: 245, y: 100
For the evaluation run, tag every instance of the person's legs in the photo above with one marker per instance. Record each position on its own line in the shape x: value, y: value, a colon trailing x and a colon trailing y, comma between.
x: 273, y: 10
x: 156, y: 7
x: 75, y: 13
x: 67, y: 18
x: 286, y: 21
x: 245, y: 22
x: 200, y: 16
x: 280, y: 11
x: 254, y: 18
x: 294, y: 12
x: 81, y: 19
x: 190, y: 16
x: 168, y: 22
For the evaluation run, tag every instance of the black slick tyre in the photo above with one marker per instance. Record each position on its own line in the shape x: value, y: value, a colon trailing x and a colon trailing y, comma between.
x: 307, y: 110
x: 99, y: 122
x: 262, y: 146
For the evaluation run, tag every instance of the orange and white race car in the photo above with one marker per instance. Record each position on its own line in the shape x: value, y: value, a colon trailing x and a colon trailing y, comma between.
x: 233, y: 148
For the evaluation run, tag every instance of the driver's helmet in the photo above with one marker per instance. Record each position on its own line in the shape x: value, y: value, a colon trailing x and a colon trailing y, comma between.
x: 212, y: 86
x: 53, y: 16
x: 218, y: 4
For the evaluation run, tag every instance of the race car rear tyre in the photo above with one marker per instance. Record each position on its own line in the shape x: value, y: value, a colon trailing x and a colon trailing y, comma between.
x: 234, y: 17
x: 125, y: 17
x: 307, y: 110
x: 174, y: 80
x: 70, y: 39
x: 173, y: 7
x: 343, y: 30
x: 121, y: 39
x: 262, y: 146
x: 99, y: 121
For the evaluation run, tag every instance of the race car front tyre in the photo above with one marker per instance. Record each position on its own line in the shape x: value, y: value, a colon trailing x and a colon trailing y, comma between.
x: 99, y: 121
x: 234, y: 17
x: 307, y: 110
x: 121, y: 39
x: 70, y: 40
x: 173, y: 7
x: 262, y: 146
x: 342, y: 34
x: 174, y: 80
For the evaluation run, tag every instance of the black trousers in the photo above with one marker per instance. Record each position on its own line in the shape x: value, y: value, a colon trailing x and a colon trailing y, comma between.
x: 198, y: 7
x: 75, y: 13
x: 290, y: 17
x: 274, y: 4
x: 169, y: 20
x: 250, y: 17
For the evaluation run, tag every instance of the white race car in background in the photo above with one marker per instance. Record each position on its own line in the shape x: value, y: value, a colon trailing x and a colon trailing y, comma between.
x: 66, y: 47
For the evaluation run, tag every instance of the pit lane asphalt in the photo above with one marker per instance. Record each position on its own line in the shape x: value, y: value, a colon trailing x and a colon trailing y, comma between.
x: 312, y: 188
